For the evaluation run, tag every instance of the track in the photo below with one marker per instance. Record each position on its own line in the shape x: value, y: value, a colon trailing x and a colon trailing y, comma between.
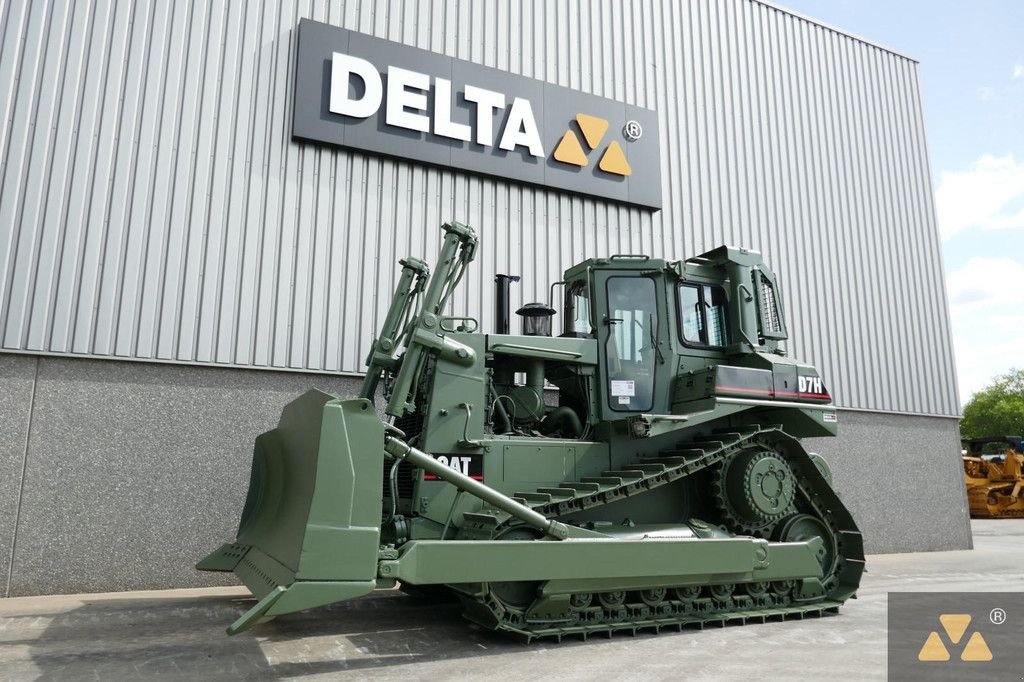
x: 676, y: 607
x: 978, y: 499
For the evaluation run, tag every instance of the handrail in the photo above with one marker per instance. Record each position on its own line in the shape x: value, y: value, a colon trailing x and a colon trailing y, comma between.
x: 743, y: 332
x: 535, y: 349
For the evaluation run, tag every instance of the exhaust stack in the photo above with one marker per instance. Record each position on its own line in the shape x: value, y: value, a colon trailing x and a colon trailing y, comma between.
x: 502, y: 309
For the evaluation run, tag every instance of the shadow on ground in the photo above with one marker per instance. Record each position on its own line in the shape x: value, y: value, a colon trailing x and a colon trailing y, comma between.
x: 183, y: 637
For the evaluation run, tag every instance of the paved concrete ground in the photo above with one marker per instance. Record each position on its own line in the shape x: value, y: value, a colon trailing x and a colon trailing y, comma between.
x: 179, y: 634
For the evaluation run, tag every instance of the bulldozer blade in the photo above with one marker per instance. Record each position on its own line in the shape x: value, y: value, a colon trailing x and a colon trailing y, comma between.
x: 310, y: 529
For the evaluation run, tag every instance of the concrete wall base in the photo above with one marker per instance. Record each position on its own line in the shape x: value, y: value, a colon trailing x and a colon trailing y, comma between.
x: 902, y: 478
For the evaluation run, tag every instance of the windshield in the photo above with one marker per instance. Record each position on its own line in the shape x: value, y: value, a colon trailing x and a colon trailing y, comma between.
x: 631, y: 347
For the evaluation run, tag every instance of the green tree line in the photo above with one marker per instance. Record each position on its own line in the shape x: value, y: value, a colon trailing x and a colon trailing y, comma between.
x: 997, y: 409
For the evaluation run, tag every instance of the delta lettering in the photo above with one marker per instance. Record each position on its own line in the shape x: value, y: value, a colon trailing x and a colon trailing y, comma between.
x: 406, y: 103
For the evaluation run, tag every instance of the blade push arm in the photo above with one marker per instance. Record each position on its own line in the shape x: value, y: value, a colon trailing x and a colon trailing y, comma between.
x: 457, y: 253
x: 411, y: 282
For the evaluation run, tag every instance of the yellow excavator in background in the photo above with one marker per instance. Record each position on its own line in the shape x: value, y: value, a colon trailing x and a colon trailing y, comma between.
x: 992, y: 470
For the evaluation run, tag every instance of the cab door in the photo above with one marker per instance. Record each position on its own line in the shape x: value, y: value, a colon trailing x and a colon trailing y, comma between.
x: 629, y: 328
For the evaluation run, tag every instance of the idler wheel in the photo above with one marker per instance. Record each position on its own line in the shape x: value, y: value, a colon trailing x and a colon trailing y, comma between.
x: 760, y: 486
x: 515, y: 594
x: 519, y: 594
x: 804, y: 527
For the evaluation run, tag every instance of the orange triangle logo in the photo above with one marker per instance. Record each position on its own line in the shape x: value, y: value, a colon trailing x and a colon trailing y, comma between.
x: 569, y: 150
x: 955, y: 625
x: 933, y: 649
x: 976, y: 649
x: 614, y: 161
x: 593, y: 128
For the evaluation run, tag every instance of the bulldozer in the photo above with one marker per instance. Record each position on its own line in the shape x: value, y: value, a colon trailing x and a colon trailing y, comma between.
x: 992, y: 472
x: 642, y: 470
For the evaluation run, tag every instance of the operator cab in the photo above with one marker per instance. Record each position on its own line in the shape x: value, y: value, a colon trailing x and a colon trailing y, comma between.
x: 655, y: 320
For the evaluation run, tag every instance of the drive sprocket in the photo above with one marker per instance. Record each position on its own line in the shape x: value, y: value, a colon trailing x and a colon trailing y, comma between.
x: 754, y: 489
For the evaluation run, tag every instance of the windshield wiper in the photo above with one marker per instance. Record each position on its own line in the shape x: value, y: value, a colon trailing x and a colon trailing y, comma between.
x: 654, y: 342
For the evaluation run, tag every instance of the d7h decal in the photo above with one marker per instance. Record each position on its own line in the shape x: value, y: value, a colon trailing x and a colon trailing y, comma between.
x: 812, y: 387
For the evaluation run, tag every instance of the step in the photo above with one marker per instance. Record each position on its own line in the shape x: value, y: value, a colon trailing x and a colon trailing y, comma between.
x: 558, y: 493
x: 542, y: 498
x: 690, y: 453
x: 726, y: 436
x: 669, y: 462
x: 626, y: 474
x: 603, y: 481
x: 581, y: 486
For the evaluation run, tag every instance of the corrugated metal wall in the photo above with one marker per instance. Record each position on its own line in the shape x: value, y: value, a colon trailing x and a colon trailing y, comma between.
x: 153, y: 205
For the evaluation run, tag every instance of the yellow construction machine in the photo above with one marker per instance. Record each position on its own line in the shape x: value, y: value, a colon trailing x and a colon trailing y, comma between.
x: 992, y: 470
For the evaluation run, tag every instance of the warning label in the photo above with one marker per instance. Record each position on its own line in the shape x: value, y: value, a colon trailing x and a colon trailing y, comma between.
x: 623, y: 387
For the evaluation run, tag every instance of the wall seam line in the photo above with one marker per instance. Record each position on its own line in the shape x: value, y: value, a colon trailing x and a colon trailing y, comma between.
x: 21, y: 481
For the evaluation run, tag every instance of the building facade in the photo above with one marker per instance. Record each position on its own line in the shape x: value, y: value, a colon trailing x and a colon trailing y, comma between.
x: 175, y: 264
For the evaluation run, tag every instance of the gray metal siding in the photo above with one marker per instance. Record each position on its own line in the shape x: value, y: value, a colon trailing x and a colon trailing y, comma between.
x: 153, y: 205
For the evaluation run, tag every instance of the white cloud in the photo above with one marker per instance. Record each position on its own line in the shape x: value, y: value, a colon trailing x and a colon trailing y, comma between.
x: 979, y: 361
x: 987, y: 281
x: 987, y: 307
x: 1018, y: 71
x: 985, y: 196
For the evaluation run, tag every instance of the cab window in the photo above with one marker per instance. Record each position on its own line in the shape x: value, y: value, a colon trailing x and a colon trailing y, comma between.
x: 576, y: 320
x: 631, y: 346
x: 702, y: 318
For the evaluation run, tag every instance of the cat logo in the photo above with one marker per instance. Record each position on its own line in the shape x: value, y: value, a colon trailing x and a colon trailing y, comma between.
x: 467, y: 465
x: 460, y: 464
x: 570, y: 151
x: 955, y: 625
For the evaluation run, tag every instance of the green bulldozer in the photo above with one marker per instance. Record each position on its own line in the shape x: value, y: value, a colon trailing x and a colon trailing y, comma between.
x: 641, y: 470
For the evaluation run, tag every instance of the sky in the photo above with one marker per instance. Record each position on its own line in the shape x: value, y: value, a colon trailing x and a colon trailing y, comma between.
x: 971, y: 56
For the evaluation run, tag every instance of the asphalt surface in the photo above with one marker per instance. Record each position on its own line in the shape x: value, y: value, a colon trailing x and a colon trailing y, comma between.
x: 179, y: 634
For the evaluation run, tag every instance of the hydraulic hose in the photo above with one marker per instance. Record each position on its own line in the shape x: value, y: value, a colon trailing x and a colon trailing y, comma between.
x: 562, y: 419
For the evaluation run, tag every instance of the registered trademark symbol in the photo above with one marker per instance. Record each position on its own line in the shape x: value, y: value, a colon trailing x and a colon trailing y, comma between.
x: 997, y: 616
x: 632, y: 131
